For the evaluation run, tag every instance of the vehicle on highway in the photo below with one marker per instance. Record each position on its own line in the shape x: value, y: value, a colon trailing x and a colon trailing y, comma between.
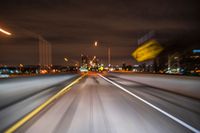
x: 83, y: 69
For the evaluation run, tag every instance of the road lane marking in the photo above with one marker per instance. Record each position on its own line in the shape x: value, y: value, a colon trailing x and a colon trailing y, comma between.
x: 153, y: 106
x: 22, y: 121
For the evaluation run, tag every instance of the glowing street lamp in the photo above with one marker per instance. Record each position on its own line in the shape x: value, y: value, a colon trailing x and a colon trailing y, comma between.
x: 109, y: 53
x: 5, y: 32
x: 66, y: 59
x: 96, y: 43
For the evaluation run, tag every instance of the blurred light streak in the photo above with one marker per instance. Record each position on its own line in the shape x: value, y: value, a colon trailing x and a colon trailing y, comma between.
x: 66, y: 59
x: 95, y: 44
x: 5, y: 32
x: 196, y: 51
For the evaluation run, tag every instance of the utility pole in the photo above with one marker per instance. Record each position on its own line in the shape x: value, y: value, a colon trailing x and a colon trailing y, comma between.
x: 109, y: 57
x: 109, y: 53
x: 169, y: 62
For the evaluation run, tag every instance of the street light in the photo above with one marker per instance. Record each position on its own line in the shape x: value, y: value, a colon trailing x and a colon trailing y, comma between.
x: 66, y: 59
x: 95, y: 44
x: 70, y: 61
x: 5, y: 32
x: 109, y: 53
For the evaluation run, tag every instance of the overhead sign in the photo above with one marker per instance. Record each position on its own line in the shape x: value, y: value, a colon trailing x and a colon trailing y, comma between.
x: 147, y: 51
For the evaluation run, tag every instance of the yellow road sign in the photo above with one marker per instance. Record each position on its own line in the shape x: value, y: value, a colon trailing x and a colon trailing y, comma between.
x: 147, y: 51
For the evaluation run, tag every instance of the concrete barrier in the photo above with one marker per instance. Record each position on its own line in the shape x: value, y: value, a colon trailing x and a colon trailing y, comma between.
x: 184, y: 85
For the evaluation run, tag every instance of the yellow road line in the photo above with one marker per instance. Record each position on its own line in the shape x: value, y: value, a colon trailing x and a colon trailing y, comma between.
x: 42, y: 106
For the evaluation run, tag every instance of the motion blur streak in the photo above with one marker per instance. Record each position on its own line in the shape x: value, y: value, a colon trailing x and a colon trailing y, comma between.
x: 147, y: 51
x: 155, y: 107
x: 5, y: 32
x: 41, y: 107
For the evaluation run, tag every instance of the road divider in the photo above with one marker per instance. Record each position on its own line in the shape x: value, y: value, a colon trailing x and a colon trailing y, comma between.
x: 22, y: 121
x: 153, y: 106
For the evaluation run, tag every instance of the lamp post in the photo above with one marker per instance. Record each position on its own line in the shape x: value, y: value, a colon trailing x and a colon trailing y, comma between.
x: 109, y: 57
x: 109, y: 53
x: 66, y: 60
x: 71, y: 61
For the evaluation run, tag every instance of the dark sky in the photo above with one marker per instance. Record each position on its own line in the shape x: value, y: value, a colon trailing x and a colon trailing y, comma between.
x: 72, y: 26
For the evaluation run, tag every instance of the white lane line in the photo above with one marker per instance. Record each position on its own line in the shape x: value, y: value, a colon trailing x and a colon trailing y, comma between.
x: 153, y: 106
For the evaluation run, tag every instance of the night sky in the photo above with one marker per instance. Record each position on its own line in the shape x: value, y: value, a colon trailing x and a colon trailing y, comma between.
x: 72, y: 26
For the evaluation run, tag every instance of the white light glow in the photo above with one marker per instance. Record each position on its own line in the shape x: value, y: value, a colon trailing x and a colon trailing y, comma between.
x: 95, y: 44
x: 5, y: 32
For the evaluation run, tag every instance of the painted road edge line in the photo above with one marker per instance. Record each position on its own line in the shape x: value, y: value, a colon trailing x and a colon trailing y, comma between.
x: 153, y: 106
x: 27, y: 117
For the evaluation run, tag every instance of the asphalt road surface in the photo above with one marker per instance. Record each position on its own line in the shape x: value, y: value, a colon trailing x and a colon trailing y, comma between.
x: 94, y: 105
x: 19, y: 96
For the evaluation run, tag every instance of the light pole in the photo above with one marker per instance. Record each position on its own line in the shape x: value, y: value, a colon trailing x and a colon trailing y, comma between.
x: 66, y: 60
x: 109, y: 53
x: 71, y: 61
x: 109, y: 57
x: 5, y: 32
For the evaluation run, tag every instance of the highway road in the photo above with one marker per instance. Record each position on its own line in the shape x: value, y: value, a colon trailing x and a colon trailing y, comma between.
x: 19, y: 96
x: 99, y: 104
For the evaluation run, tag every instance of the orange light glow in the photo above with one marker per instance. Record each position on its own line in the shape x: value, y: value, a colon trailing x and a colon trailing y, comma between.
x: 43, y: 71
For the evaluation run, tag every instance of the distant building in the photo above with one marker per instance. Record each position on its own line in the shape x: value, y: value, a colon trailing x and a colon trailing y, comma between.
x: 190, y: 62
